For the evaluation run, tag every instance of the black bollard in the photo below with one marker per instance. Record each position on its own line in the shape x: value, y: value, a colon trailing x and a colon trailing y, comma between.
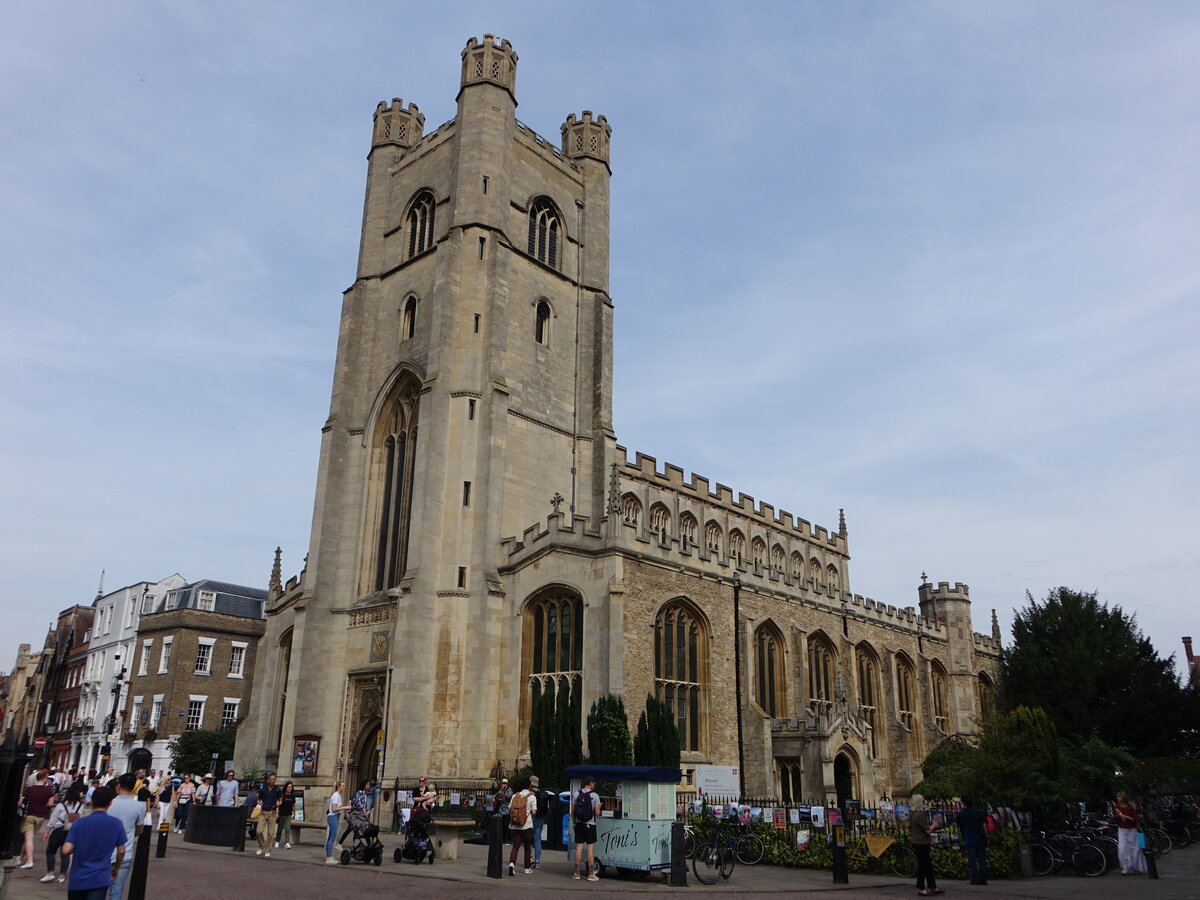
x: 239, y: 841
x: 678, y: 857
x: 496, y: 846
x: 161, y: 850
x: 841, y: 865
x: 136, y: 889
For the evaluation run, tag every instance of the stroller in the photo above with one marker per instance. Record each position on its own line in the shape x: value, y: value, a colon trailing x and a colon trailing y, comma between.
x: 419, y: 845
x: 366, y: 847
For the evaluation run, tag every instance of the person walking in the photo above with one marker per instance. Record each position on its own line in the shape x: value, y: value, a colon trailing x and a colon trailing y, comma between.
x: 585, y: 809
x: 333, y: 812
x: 204, y: 793
x: 268, y: 801
x: 520, y: 821
x: 539, y: 817
x: 361, y: 801
x: 183, y: 803
x: 36, y: 799
x: 920, y: 827
x: 1129, y: 856
x: 227, y: 790
x: 131, y: 813
x: 287, y: 809
x: 97, y: 842
x: 62, y: 816
x: 972, y: 825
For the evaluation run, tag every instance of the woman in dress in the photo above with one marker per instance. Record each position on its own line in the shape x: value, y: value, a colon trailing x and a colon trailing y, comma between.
x: 1128, y: 854
x: 337, y: 805
x: 920, y: 827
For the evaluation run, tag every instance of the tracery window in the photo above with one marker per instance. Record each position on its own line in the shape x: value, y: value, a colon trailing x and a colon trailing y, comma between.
x: 631, y: 510
x: 544, y: 226
x: 541, y: 328
x: 660, y: 520
x: 770, y: 685
x: 419, y: 223
x: 814, y: 571
x: 868, y: 693
x: 822, y: 669
x: 797, y: 566
x: 758, y: 550
x: 777, y: 559
x: 712, y: 537
x: 986, y: 692
x: 392, y: 468
x: 688, y: 529
x: 941, y: 717
x: 737, y: 546
x: 905, y: 693
x: 681, y: 669
x: 831, y: 577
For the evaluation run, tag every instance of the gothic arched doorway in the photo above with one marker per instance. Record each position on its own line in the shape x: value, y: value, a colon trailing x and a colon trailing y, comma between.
x: 364, y: 758
x: 844, y: 778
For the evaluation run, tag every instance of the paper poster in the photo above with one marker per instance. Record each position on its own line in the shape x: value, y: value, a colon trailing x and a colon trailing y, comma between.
x: 901, y: 812
x: 794, y: 815
x: 751, y: 814
x: 818, y: 816
x: 833, y: 815
x: 802, y: 839
x: 456, y: 799
x: 803, y: 814
x: 780, y: 820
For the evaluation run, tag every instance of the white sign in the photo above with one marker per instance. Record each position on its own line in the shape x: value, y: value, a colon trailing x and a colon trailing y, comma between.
x: 718, y: 781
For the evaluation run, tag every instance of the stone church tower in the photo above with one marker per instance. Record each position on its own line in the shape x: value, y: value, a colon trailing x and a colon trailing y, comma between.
x: 473, y: 383
x: 480, y: 538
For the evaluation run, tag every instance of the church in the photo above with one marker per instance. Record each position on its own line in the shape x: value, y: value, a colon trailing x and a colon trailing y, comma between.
x: 479, y: 536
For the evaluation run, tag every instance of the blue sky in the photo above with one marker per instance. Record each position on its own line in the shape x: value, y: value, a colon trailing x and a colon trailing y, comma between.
x: 934, y: 263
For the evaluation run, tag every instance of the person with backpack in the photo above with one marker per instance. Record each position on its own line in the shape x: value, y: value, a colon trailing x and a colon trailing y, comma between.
x: 539, y: 817
x: 585, y: 808
x: 520, y: 824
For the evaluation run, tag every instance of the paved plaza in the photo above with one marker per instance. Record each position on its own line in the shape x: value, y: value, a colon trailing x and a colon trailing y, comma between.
x: 197, y: 872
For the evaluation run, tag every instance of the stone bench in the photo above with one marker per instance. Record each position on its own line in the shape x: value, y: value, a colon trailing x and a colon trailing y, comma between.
x: 300, y: 827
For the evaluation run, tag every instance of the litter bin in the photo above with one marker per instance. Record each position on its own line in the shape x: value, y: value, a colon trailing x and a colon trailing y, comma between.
x: 553, y: 839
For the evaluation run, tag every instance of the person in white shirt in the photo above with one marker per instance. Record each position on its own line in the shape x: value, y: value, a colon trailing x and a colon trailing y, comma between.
x: 520, y: 824
x: 333, y: 812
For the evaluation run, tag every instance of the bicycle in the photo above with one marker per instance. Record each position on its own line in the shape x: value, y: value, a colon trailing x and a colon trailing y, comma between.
x: 716, y: 857
x: 748, y: 846
x: 877, y: 852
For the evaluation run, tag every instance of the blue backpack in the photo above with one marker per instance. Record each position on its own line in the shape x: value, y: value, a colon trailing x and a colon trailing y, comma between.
x: 583, y: 811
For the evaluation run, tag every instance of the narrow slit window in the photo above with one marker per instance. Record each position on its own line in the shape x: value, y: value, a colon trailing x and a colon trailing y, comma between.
x: 466, y: 493
x: 477, y: 323
x: 485, y: 181
x: 462, y: 576
x: 471, y: 410
x: 482, y: 244
x: 541, y: 329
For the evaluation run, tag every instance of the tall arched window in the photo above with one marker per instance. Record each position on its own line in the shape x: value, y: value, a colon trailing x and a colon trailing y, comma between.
x: 681, y: 669
x: 419, y: 223
x: 392, y: 466
x: 758, y: 551
x: 798, y: 567
x: 831, y: 577
x: 906, y: 693
x: 987, y: 695
x: 544, y: 226
x: 631, y: 510
x: 868, y: 693
x: 541, y: 326
x: 737, y: 546
x: 770, y: 685
x: 712, y: 537
x: 408, y: 324
x: 778, y: 560
x: 822, y: 670
x: 941, y: 715
x: 660, y: 520
x: 553, y: 649
x: 689, y: 528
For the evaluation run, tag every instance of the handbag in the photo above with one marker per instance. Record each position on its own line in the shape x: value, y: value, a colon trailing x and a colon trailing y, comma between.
x: 1141, y: 836
x: 254, y: 813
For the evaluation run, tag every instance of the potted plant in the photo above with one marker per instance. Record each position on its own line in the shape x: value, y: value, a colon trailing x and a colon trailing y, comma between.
x: 151, y: 736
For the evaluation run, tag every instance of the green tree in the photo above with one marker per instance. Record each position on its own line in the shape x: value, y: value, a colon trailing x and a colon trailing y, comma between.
x: 656, y: 742
x: 554, y: 738
x: 192, y: 752
x: 609, y: 743
x: 1094, y: 673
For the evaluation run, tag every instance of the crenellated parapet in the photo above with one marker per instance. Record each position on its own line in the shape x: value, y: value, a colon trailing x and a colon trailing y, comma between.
x: 490, y: 61
x: 554, y: 533
x: 586, y: 137
x: 397, y: 125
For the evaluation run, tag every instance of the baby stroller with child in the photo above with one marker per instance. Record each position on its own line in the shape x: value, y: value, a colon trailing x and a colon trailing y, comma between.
x: 419, y: 845
x: 366, y: 847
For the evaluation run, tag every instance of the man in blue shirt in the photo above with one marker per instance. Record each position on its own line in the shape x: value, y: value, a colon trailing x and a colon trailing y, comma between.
x: 90, y: 843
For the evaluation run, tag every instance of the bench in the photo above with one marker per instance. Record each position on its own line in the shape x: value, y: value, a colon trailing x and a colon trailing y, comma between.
x: 447, y: 843
x: 300, y: 827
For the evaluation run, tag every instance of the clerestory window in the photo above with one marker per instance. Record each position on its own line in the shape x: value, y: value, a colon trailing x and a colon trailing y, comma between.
x: 419, y: 223
x: 544, y: 228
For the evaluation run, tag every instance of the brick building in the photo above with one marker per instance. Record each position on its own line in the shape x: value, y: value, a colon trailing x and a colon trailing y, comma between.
x: 193, y: 664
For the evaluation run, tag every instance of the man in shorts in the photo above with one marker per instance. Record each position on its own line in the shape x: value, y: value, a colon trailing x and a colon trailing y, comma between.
x: 585, y: 831
x: 37, y: 798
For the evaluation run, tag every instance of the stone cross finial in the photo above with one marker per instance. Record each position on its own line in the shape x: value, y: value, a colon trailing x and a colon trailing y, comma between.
x: 924, y: 578
x: 556, y: 501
